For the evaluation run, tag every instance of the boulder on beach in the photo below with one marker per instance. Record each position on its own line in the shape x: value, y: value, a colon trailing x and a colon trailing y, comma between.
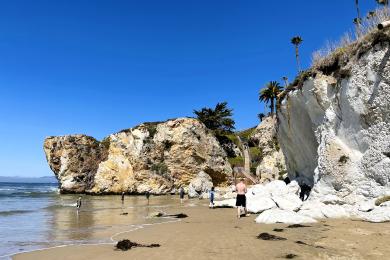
x: 277, y: 215
x: 260, y: 204
x: 200, y: 185
x: 288, y: 202
x: 229, y: 203
x: 334, y: 211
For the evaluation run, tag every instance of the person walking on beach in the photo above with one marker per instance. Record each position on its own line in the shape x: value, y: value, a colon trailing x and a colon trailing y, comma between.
x: 123, y: 197
x: 147, y: 195
x: 241, y: 198
x: 78, y: 203
x: 211, y: 198
x: 181, y: 194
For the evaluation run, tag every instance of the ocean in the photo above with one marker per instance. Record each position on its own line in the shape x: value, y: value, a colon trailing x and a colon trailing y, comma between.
x: 35, y: 216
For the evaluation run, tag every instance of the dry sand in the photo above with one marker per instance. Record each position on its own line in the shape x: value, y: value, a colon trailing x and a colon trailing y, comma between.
x: 217, y: 234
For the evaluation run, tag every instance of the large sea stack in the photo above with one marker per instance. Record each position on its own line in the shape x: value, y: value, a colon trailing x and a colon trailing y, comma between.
x: 154, y: 157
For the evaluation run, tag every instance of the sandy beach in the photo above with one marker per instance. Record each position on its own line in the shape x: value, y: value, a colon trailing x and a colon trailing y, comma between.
x: 218, y: 234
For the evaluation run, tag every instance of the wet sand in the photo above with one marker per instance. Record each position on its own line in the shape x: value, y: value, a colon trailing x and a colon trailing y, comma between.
x: 218, y: 234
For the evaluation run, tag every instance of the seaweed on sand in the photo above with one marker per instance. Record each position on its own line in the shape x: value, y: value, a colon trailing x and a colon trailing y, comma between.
x: 297, y: 226
x: 267, y: 236
x: 126, y: 244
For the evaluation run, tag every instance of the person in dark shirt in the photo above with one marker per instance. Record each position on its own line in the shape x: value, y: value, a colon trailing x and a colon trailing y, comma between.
x: 147, y: 195
x: 181, y: 194
x: 78, y: 203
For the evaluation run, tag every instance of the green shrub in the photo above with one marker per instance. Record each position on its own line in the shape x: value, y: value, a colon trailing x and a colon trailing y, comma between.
x: 106, y: 142
x: 236, y: 161
x: 160, y: 168
x: 256, y: 155
x: 246, y: 134
x: 253, y: 170
x: 152, y: 128
x: 233, y: 138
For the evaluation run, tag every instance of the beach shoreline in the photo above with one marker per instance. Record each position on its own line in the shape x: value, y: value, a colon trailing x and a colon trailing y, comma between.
x: 218, y: 234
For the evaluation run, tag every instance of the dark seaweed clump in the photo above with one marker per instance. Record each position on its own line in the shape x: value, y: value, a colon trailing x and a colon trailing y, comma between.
x: 266, y: 236
x: 297, y: 226
x: 126, y: 244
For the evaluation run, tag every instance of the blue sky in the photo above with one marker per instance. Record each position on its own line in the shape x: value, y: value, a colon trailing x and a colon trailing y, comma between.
x: 96, y: 67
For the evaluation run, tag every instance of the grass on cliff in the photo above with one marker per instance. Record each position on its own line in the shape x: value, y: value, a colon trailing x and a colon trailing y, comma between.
x: 106, y: 142
x: 333, y: 58
x: 236, y: 161
x: 246, y: 134
x: 256, y: 155
x: 233, y: 138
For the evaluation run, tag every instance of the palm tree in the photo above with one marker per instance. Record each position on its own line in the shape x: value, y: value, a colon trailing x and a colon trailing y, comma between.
x: 270, y: 93
x: 297, y: 40
x: 383, y: 2
x: 261, y: 116
x: 218, y: 119
x: 285, y: 79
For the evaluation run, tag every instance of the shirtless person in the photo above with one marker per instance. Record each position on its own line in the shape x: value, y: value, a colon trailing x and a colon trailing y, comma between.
x: 241, y: 198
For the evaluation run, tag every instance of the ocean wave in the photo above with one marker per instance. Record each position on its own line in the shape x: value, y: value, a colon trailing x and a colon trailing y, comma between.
x: 13, y: 212
x: 62, y: 205
x: 19, y: 193
x: 29, y: 190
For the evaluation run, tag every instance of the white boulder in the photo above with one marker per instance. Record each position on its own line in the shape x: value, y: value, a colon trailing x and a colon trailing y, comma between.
x: 385, y: 204
x: 229, y: 203
x: 334, y: 211
x: 312, y: 213
x: 377, y: 215
x: 276, y: 187
x: 366, y: 206
x: 276, y: 215
x: 312, y: 208
x: 332, y: 199
x: 258, y: 205
x: 293, y: 188
x: 288, y: 202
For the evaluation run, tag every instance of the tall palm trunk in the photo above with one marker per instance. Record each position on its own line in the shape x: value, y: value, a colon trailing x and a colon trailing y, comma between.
x: 297, y: 57
x: 272, y: 106
x: 358, y: 27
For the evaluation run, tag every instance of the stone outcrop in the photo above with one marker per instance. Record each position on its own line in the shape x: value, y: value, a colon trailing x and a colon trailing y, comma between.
x: 276, y: 202
x: 271, y: 166
x: 154, y: 157
x: 334, y: 130
x: 74, y: 159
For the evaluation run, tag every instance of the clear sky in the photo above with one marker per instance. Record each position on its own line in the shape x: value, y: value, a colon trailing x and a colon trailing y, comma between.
x: 96, y: 67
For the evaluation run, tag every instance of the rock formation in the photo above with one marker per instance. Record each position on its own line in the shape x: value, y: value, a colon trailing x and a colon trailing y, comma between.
x: 154, y: 157
x: 271, y: 166
x: 334, y: 127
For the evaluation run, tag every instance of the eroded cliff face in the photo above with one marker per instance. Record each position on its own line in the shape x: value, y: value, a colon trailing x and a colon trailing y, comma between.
x: 154, y: 157
x: 335, y: 132
x: 74, y: 159
x: 271, y: 165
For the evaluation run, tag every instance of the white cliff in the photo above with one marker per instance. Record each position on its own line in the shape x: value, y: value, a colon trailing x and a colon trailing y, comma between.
x: 334, y: 129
